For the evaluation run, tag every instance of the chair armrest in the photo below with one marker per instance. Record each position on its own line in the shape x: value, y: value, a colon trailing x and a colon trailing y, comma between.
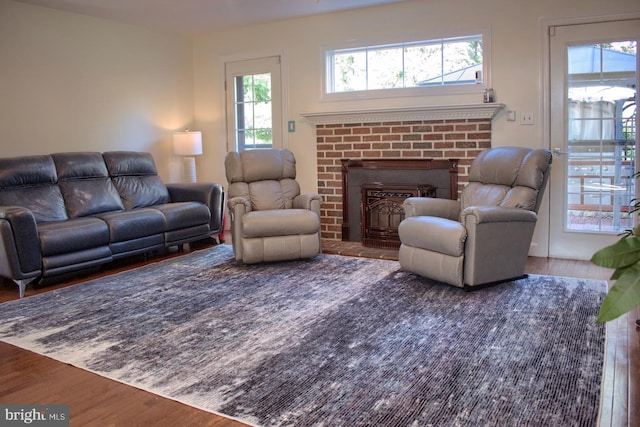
x: 428, y: 206
x: 308, y: 201
x: 239, y: 206
x: 20, y: 256
x: 498, y: 242
x: 210, y: 194
x: 488, y: 214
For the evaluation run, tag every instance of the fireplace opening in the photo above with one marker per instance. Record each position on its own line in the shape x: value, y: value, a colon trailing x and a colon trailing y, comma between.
x: 382, y: 211
x: 373, y: 191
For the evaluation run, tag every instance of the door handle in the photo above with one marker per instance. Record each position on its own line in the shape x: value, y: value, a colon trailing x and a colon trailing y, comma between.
x: 557, y: 151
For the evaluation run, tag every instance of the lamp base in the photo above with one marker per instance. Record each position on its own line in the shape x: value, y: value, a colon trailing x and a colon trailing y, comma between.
x: 189, y: 169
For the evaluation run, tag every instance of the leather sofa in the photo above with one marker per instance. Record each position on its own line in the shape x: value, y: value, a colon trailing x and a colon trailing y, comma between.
x: 65, y: 212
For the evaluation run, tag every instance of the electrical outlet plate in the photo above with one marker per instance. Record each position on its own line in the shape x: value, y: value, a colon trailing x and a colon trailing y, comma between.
x: 526, y: 119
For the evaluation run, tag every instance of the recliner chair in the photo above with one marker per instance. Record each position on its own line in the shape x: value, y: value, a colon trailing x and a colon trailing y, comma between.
x: 270, y: 219
x: 485, y: 236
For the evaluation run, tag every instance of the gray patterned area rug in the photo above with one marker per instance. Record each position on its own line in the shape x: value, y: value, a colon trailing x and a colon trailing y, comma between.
x: 332, y: 341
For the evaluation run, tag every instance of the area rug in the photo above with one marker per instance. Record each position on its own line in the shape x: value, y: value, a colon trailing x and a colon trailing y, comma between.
x: 331, y: 341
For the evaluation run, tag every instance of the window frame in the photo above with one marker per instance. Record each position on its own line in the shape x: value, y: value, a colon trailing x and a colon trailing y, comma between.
x: 439, y: 90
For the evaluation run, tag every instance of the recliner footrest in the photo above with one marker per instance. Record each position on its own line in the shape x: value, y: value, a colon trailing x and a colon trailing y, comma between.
x: 281, y: 222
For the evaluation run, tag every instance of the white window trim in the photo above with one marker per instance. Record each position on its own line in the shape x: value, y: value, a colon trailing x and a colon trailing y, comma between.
x: 412, y: 91
x: 284, y: 76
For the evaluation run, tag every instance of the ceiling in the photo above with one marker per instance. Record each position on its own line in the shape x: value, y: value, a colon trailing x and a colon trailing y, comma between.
x: 197, y: 16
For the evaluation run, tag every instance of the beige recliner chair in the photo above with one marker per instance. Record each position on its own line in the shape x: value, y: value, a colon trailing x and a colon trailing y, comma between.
x: 270, y: 219
x: 485, y: 236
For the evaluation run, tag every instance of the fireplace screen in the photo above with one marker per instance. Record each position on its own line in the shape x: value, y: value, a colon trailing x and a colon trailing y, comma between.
x: 382, y: 211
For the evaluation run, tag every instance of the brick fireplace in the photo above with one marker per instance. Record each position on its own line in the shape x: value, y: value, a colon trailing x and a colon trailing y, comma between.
x: 438, y: 133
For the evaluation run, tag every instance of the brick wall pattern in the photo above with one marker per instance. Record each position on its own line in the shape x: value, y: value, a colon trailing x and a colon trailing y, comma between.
x: 459, y: 139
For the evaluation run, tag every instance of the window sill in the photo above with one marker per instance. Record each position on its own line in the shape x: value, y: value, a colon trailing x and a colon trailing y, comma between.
x: 431, y: 112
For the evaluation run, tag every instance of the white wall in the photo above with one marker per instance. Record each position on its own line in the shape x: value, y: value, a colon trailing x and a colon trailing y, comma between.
x: 74, y: 83
x: 516, y: 60
x: 70, y: 82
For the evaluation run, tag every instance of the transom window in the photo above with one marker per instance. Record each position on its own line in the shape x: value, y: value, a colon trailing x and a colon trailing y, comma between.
x: 407, y: 67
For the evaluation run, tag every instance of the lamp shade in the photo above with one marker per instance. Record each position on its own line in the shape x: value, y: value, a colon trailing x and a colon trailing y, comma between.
x: 187, y: 143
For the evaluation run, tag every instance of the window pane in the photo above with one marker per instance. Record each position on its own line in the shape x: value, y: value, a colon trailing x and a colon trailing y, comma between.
x: 350, y: 71
x: 385, y: 68
x: 458, y: 58
x: 262, y: 115
x: 422, y: 64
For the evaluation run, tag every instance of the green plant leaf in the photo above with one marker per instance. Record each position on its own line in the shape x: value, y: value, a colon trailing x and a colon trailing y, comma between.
x: 623, y: 253
x: 617, y: 273
x: 623, y: 296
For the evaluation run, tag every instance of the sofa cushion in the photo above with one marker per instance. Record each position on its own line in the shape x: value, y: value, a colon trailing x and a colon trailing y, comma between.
x: 72, y: 235
x: 141, y: 191
x: 30, y: 182
x: 129, y: 163
x: 45, y: 202
x: 79, y: 165
x: 90, y: 196
x: 27, y: 171
x: 127, y: 225
x: 85, y: 184
x: 136, y: 179
x: 184, y: 215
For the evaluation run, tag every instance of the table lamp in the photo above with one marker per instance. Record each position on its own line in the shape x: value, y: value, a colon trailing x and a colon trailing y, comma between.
x: 188, y: 144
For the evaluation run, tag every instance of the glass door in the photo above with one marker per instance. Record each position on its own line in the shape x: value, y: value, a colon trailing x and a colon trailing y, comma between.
x: 594, y: 90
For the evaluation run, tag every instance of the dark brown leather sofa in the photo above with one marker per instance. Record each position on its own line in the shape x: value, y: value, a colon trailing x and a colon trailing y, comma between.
x: 65, y: 212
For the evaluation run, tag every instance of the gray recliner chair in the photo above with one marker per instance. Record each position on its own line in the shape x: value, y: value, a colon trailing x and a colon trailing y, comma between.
x: 485, y: 236
x: 270, y: 219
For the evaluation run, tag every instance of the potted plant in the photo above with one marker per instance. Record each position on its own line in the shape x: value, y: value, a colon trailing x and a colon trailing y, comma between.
x: 624, y: 257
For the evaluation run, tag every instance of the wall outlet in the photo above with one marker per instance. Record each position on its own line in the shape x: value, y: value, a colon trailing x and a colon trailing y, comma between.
x: 526, y: 119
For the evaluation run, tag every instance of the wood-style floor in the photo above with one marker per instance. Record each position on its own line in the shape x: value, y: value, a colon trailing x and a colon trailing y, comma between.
x: 27, y: 378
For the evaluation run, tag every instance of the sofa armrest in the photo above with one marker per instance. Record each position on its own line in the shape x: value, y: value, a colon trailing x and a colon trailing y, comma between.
x: 20, y: 256
x: 308, y: 201
x: 210, y: 194
x: 428, y: 206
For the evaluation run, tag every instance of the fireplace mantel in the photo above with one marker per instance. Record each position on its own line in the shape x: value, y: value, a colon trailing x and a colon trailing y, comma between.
x: 431, y: 112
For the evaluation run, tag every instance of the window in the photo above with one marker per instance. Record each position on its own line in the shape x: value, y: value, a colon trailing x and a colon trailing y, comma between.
x: 253, y: 111
x: 431, y: 66
x: 254, y: 103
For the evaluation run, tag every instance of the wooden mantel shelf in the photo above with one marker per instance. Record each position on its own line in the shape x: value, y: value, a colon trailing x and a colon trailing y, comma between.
x: 431, y: 112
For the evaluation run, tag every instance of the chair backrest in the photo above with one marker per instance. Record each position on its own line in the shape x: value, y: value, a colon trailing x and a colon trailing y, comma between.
x: 266, y: 177
x: 508, y: 176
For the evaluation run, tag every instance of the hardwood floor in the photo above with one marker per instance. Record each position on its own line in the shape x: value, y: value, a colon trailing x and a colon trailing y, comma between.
x: 27, y: 378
